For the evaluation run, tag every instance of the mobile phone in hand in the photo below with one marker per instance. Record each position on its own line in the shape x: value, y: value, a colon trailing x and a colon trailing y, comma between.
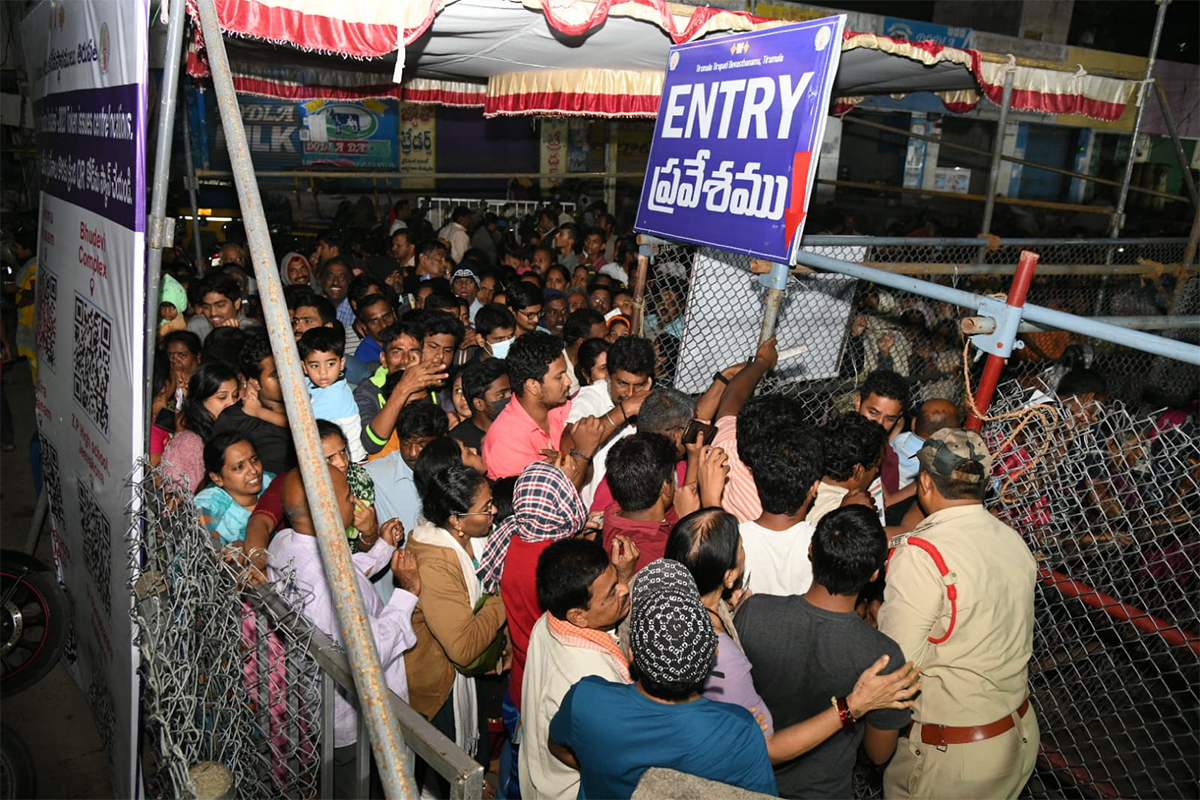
x: 696, y: 429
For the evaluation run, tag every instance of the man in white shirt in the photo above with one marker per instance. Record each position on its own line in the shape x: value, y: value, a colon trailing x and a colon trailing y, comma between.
x: 786, y: 472
x: 294, y: 562
x: 630, y: 371
x: 853, y: 453
x: 455, y: 232
x: 584, y: 601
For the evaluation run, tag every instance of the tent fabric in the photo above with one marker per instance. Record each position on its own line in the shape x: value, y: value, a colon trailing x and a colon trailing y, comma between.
x: 605, y: 59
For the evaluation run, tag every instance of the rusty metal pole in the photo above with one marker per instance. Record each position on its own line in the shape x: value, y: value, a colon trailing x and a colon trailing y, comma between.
x: 776, y: 282
x: 370, y: 684
x: 989, y: 203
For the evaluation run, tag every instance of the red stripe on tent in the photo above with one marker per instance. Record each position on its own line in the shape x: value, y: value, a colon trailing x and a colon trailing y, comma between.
x: 666, y: 18
x: 308, y: 31
x: 291, y: 91
x: 610, y: 105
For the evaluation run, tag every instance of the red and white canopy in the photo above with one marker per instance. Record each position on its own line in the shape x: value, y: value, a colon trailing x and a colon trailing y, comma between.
x: 579, y: 58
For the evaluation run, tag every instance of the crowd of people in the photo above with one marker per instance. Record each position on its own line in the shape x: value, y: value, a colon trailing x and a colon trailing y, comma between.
x: 579, y: 573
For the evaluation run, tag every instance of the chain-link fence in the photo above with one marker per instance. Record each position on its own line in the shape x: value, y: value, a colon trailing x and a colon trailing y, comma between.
x: 1108, y: 497
x: 225, y: 680
x: 703, y: 309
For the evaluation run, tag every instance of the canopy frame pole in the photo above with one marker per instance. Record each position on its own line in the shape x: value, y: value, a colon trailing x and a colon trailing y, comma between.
x: 610, y: 168
x: 192, y: 186
x: 160, y: 232
x: 1188, y: 182
x: 989, y: 203
x: 369, y: 681
x: 1118, y: 217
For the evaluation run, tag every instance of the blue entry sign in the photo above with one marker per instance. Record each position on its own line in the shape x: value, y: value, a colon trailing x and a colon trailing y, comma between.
x: 737, y: 139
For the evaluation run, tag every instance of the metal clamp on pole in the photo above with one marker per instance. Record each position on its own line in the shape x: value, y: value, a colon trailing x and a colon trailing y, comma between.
x: 160, y: 232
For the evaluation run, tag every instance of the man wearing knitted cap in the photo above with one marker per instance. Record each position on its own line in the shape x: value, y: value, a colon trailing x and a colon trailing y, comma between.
x: 614, y: 732
x: 959, y: 602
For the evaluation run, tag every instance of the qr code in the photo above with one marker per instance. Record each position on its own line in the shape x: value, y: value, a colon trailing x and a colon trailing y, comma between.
x: 52, y: 481
x: 97, y: 543
x: 93, y: 361
x: 46, y: 328
x: 100, y: 699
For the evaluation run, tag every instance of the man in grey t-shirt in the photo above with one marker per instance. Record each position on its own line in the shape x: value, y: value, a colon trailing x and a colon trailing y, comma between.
x: 808, y: 650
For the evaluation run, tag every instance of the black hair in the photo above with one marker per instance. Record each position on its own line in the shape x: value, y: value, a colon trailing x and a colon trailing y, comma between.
x: 224, y: 344
x: 215, y: 447
x: 637, y: 467
x: 523, y: 294
x: 758, y: 422
x: 255, y: 349
x: 362, y: 287
x: 565, y: 573
x: 850, y: 440
x: 449, y: 492
x: 421, y: 419
x: 493, y: 317
x: 333, y: 239
x: 535, y: 279
x: 410, y: 323
x: 188, y: 339
x: 477, y: 377
x: 885, y: 383
x: 321, y: 303
x: 665, y: 408
x: 219, y: 283
x: 579, y: 324
x: 296, y: 295
x: 927, y: 424
x: 632, y: 354
x: 206, y: 381
x: 530, y: 358
x: 588, y: 355
x: 1080, y: 382
x: 322, y: 340
x: 441, y: 301
x: 360, y: 308
x: 332, y: 262
x: 706, y: 542
x: 502, y: 497
x: 785, y: 470
x: 848, y: 546
x: 573, y: 230
x: 429, y: 247
x: 439, y: 323
x: 621, y: 290
x: 459, y: 212
x: 673, y: 692
x: 325, y: 428
x: 442, y: 453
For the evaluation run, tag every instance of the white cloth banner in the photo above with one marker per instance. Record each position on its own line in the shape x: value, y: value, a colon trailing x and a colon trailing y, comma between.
x: 87, y: 61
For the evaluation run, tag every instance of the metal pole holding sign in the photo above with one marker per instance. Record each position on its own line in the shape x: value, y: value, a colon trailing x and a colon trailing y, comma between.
x: 776, y: 282
x: 370, y: 683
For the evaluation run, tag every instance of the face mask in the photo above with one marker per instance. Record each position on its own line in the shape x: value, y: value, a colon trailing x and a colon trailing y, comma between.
x: 500, y: 349
x: 499, y: 405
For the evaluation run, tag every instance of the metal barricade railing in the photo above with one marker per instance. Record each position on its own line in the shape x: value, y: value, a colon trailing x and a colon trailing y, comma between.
x: 235, y: 675
x: 439, y: 208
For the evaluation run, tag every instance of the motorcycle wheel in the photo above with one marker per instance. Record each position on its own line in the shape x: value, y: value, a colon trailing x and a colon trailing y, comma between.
x: 34, y: 620
x: 18, y: 775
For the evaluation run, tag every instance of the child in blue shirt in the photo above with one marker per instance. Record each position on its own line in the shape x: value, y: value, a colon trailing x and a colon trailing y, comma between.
x: 322, y: 356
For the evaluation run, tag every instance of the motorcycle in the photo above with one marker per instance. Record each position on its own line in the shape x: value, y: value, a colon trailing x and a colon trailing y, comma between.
x: 34, y: 622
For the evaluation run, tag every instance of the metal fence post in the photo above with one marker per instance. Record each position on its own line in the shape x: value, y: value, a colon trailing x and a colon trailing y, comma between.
x: 1003, y: 340
x: 156, y: 222
x: 369, y: 680
x: 1188, y: 182
x: 190, y: 181
x: 776, y: 282
x: 989, y: 204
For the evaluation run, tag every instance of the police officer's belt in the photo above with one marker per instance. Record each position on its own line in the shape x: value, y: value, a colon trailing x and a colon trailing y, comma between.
x: 941, y: 735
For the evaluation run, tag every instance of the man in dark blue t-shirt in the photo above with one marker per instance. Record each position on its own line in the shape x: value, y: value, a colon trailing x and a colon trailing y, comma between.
x: 614, y: 732
x: 808, y: 650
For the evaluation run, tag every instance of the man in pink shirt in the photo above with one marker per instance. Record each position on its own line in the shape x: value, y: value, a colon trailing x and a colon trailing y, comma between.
x: 535, y: 418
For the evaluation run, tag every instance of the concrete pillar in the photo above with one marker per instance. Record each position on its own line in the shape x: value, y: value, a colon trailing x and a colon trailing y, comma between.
x: 929, y: 179
x: 1045, y: 21
x: 1080, y: 191
x: 914, y: 159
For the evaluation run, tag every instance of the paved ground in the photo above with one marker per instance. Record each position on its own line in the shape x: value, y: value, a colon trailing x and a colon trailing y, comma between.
x: 52, y: 717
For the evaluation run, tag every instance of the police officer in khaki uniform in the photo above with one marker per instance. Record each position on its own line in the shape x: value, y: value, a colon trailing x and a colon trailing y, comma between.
x: 959, y: 602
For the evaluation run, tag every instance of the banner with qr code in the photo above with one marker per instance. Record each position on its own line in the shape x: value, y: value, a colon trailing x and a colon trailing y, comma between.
x: 737, y: 138
x: 88, y: 66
